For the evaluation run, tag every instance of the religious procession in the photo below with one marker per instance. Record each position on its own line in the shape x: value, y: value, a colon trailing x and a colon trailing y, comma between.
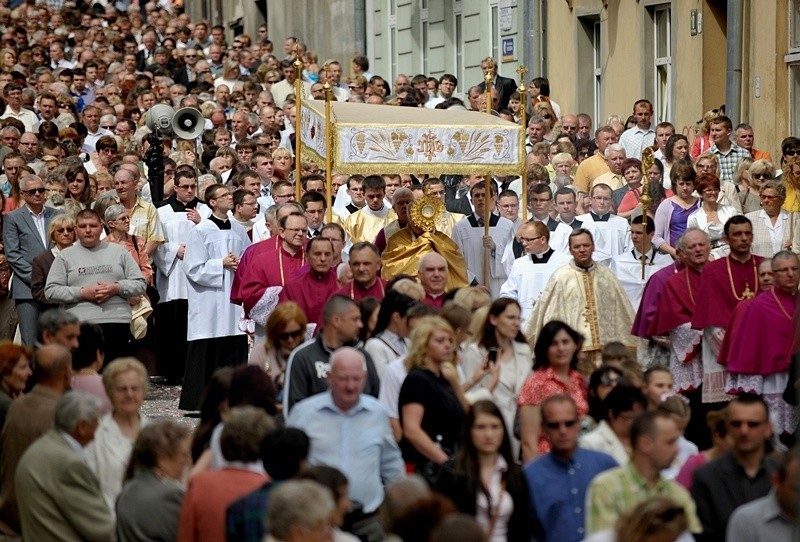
x: 407, y: 310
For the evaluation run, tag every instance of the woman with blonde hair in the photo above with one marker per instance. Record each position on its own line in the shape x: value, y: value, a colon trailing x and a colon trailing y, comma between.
x: 758, y: 172
x: 61, y: 233
x: 431, y: 403
x: 125, y: 381
x: 791, y: 180
x: 657, y: 518
x: 702, y: 142
x: 282, y: 162
x: 708, y: 163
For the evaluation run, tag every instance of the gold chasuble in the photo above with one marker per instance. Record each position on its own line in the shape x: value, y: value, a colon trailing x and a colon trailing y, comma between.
x: 447, y: 222
x: 365, y: 225
x: 591, y: 301
x: 404, y: 250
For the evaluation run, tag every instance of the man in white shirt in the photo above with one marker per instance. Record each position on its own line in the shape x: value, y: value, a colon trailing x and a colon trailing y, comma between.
x: 636, y: 139
x: 12, y: 93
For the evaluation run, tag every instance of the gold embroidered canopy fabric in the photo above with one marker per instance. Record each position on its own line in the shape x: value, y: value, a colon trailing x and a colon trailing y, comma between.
x: 370, y: 139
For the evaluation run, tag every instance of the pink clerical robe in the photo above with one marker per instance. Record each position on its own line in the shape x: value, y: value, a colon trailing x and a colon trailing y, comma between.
x: 356, y: 292
x: 251, y: 252
x: 717, y: 298
x: 311, y: 292
x: 650, y: 299
x: 269, y: 268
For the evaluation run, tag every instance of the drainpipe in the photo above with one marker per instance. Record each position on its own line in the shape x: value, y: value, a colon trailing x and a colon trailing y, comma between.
x: 530, y: 45
x: 733, y: 78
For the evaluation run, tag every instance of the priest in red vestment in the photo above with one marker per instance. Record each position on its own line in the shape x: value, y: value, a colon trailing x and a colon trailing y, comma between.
x: 365, y: 264
x: 652, y: 350
x: 268, y: 272
x: 270, y: 243
x: 315, y: 283
x: 758, y: 344
x: 676, y: 307
x: 725, y: 283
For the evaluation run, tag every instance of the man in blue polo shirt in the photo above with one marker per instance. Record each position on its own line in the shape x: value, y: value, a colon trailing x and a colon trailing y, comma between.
x: 558, y: 480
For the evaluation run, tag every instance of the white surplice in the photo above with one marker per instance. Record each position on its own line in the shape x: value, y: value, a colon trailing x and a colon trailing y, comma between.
x: 611, y: 238
x: 469, y: 238
x: 171, y: 276
x: 527, y: 280
x: 628, y: 269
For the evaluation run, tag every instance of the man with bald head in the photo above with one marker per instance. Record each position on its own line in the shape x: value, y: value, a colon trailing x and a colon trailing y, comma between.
x: 432, y: 274
x: 569, y: 124
x: 531, y: 272
x: 30, y: 417
x: 336, y: 422
x: 401, y: 202
x: 145, y: 223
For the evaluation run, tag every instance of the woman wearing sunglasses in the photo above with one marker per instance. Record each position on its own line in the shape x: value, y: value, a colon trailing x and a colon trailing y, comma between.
x: 286, y: 330
x: 61, y: 234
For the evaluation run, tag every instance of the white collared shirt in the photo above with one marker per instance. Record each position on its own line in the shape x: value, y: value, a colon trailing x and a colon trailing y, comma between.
x: 38, y: 220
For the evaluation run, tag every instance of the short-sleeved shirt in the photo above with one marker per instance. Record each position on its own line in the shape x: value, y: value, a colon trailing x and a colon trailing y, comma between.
x: 145, y: 222
x: 544, y: 383
x: 442, y: 416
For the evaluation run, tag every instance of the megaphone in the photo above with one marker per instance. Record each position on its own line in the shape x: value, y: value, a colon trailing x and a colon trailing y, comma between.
x: 188, y: 123
x: 159, y: 118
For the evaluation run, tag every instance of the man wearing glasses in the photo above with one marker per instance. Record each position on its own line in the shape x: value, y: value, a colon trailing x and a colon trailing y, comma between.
x: 25, y: 237
x: 612, y: 236
x: 559, y: 479
x: 211, y: 257
x: 12, y: 93
x: 531, y: 272
x: 178, y: 215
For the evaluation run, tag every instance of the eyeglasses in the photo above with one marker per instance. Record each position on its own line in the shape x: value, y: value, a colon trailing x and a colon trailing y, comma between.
x: 752, y: 424
x: 291, y: 335
x: 768, y: 197
x: 111, y: 127
x: 187, y: 186
x: 524, y: 240
x: 557, y: 425
x: 271, y: 81
x: 791, y: 152
x: 34, y: 191
x: 68, y: 229
x: 763, y: 176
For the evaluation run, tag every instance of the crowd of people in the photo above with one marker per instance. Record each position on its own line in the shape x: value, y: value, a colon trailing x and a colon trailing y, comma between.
x: 611, y: 363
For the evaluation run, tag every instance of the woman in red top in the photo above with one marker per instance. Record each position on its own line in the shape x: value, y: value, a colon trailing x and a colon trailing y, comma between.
x: 555, y: 370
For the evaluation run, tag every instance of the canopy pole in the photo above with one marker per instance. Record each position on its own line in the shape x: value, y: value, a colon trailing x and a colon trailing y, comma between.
x: 487, y: 212
x: 648, y: 161
x: 523, y: 94
x: 328, y: 152
x: 298, y: 92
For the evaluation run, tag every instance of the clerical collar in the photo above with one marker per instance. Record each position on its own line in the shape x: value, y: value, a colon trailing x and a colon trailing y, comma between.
x: 221, y: 224
x: 319, y: 276
x: 180, y: 207
x: 543, y: 257
x: 352, y: 208
x: 583, y: 269
x: 434, y: 296
x: 638, y: 255
x: 599, y: 218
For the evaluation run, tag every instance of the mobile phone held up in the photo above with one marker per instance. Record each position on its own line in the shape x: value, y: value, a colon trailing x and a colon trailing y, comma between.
x: 493, y: 355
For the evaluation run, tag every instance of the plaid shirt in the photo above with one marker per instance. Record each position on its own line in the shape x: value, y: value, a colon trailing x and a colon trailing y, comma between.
x: 616, y: 491
x: 247, y: 518
x: 729, y: 161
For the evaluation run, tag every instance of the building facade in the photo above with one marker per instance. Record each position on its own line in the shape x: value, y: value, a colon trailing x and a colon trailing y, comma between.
x: 599, y: 55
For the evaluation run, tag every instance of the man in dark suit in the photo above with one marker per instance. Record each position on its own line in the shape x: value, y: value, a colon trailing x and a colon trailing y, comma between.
x: 742, y: 474
x: 59, y: 496
x: 25, y: 236
x: 505, y: 86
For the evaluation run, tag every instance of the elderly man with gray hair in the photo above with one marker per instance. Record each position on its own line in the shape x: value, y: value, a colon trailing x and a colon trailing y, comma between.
x: 25, y: 237
x: 297, y: 507
x: 59, y: 497
x: 351, y: 430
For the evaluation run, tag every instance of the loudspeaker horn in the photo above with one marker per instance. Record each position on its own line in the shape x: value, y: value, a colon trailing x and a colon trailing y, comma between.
x: 159, y: 118
x: 188, y: 123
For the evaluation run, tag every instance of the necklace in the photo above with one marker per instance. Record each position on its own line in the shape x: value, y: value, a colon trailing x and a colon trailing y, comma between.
x: 689, y: 286
x: 280, y: 262
x: 780, y: 305
x: 747, y: 293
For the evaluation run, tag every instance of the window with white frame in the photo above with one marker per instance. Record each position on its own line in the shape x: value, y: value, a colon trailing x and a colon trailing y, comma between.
x: 423, y: 38
x: 589, y: 73
x: 662, y: 61
x: 494, y: 30
x: 458, y: 36
x: 392, y: 39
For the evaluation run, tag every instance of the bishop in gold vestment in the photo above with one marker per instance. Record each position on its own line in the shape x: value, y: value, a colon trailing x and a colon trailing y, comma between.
x: 404, y: 249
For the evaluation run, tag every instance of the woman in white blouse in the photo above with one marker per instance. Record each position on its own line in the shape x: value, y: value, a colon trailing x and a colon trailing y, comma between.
x: 125, y: 381
x: 711, y: 216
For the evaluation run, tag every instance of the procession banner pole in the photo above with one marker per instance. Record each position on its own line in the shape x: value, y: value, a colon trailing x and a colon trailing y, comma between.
x: 298, y: 92
x: 487, y: 212
x: 328, y: 151
x: 523, y: 95
x: 648, y: 161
